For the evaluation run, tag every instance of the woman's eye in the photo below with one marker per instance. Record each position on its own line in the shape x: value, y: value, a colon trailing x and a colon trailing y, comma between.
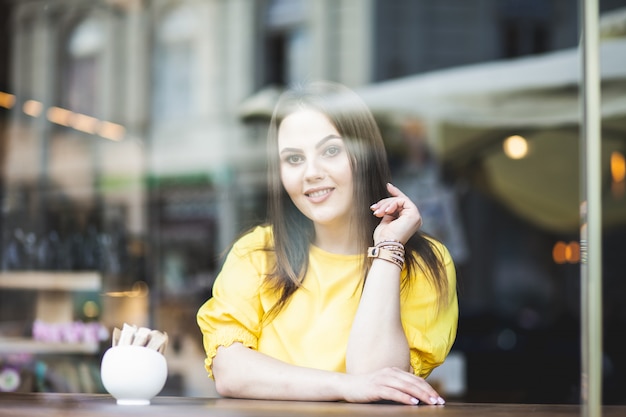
x: 332, y: 150
x: 294, y: 159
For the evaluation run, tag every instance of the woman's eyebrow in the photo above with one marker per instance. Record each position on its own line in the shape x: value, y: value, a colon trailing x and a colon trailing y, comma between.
x: 290, y: 150
x: 317, y: 145
x: 326, y: 139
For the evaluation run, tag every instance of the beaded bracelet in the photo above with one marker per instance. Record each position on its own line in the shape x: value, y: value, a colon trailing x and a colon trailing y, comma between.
x: 390, y: 253
x: 393, y: 245
x: 390, y: 242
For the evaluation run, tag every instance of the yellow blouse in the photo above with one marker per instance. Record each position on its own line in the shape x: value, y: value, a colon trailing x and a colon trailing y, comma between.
x: 312, y: 330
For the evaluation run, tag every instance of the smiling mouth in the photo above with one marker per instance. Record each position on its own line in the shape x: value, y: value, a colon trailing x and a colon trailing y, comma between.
x: 319, y: 193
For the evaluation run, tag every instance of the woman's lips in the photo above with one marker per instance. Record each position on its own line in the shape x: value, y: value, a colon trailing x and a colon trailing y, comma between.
x: 317, y: 196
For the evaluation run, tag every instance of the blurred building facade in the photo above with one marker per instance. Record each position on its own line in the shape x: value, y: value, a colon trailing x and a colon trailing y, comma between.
x: 133, y: 143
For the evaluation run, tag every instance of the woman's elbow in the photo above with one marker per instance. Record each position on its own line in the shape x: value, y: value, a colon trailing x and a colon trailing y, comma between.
x: 225, y: 374
x: 222, y: 387
x: 225, y: 384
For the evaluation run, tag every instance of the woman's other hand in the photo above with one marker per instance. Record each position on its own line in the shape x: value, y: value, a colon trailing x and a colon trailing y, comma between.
x: 400, y: 218
x: 390, y: 384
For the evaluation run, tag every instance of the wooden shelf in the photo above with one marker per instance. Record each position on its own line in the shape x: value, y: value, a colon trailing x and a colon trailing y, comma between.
x: 23, y: 345
x: 51, y: 281
x: 54, y: 290
x: 54, y: 305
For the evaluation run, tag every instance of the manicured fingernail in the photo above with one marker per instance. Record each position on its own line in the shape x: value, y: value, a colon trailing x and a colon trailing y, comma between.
x: 433, y: 400
x: 441, y: 401
x: 415, y: 401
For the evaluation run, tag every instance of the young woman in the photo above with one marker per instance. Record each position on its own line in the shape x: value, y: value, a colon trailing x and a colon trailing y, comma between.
x: 339, y: 296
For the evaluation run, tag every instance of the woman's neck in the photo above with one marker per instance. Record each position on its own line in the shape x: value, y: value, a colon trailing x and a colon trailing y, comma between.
x: 336, y: 239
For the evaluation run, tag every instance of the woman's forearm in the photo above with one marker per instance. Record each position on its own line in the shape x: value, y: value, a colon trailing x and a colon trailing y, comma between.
x: 241, y: 372
x: 377, y: 339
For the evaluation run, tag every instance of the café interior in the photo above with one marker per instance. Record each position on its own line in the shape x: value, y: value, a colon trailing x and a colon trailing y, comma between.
x: 132, y: 141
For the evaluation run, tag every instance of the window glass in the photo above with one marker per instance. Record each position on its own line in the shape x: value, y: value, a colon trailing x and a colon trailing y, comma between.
x: 173, y: 65
x: 132, y: 148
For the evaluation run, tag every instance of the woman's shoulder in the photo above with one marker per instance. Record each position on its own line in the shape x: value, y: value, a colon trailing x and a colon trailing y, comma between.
x: 256, y: 238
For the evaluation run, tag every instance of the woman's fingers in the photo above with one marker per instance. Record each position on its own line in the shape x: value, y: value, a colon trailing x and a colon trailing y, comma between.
x: 413, y: 387
x: 387, y: 207
x: 393, y: 384
x: 390, y: 205
x: 394, y: 191
x: 400, y: 217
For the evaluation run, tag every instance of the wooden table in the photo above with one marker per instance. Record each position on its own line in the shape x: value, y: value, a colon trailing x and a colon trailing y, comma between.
x: 85, y: 405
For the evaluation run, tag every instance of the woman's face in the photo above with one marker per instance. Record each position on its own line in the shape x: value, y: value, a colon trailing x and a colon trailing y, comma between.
x: 315, y: 167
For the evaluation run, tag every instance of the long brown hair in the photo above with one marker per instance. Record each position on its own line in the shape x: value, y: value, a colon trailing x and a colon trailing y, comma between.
x: 293, y: 232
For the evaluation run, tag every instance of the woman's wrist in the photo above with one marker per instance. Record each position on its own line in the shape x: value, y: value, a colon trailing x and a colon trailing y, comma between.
x: 340, y: 385
x: 389, y: 250
x: 381, y: 241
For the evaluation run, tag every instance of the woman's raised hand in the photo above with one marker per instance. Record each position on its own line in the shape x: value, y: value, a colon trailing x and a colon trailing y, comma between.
x: 391, y: 384
x: 400, y: 218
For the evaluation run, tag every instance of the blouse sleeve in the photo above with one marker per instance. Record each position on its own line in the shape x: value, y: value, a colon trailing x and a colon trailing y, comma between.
x: 429, y: 327
x: 234, y: 312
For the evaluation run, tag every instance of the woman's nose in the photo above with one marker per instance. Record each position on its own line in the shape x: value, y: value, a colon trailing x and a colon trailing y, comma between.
x: 313, y: 171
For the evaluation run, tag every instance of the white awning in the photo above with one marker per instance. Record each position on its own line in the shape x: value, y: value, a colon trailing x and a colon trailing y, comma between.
x: 468, y: 112
x: 529, y: 92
